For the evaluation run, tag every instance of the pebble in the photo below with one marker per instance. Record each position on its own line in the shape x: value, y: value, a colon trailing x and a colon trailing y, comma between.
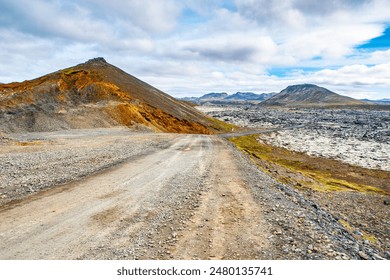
x: 363, y: 255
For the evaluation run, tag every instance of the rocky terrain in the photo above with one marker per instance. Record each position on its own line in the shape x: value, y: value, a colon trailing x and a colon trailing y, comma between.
x: 349, y: 144
x: 360, y: 137
x: 126, y: 195
x: 365, y: 153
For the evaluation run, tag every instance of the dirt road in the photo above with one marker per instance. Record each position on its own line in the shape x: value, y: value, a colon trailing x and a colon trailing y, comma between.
x: 124, y: 195
x: 150, y: 197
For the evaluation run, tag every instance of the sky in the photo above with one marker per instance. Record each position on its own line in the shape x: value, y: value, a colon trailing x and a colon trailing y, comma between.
x: 192, y: 47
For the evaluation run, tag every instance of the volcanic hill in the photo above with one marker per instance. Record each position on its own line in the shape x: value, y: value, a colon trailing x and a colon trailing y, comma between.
x: 308, y: 95
x: 94, y: 94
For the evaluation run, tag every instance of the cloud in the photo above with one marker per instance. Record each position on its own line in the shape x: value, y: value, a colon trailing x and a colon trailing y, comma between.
x: 327, y: 42
x: 147, y: 15
x: 271, y: 13
x: 378, y: 57
x: 358, y: 74
x: 236, y: 48
x: 91, y: 20
x: 54, y: 19
x: 192, y: 46
x: 297, y: 13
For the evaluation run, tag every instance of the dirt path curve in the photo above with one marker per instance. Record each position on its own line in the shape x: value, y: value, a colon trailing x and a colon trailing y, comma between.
x: 185, y: 201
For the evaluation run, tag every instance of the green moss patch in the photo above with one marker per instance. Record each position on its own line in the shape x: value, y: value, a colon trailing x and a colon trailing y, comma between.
x: 70, y: 71
x: 305, y: 171
x: 221, y: 126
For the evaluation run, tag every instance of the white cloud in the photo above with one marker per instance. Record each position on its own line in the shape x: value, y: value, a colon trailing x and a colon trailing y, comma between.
x: 220, y: 48
x: 54, y: 19
x: 329, y: 41
x: 233, y: 47
x: 148, y: 15
x: 378, y: 57
x: 358, y: 74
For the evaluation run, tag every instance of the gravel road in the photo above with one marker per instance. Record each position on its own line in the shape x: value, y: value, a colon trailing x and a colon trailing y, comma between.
x: 155, y: 196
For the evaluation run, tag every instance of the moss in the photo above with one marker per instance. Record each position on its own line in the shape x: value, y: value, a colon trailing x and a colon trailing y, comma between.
x: 369, y: 237
x: 299, y: 169
x: 351, y: 230
x: 29, y: 143
x: 346, y: 225
x: 221, y: 126
x: 70, y: 71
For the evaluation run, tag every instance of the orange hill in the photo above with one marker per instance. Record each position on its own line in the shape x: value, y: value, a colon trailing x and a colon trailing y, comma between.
x: 94, y: 94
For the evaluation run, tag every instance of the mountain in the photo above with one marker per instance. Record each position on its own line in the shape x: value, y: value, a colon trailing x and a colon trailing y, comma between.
x: 308, y: 95
x: 242, y: 96
x: 249, y: 96
x: 94, y: 94
x: 214, y: 96
x: 224, y: 98
x: 383, y: 101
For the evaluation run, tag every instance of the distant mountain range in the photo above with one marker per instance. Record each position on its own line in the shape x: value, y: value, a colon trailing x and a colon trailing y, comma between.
x: 385, y: 101
x: 224, y: 98
x: 303, y: 95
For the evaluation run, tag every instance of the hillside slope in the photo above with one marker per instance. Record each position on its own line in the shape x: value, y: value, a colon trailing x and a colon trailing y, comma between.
x: 94, y: 94
x: 308, y: 95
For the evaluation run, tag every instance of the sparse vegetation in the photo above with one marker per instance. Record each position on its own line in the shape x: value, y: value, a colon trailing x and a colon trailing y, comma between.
x: 70, y: 71
x: 29, y: 143
x: 305, y: 171
x: 222, y: 126
x: 362, y: 235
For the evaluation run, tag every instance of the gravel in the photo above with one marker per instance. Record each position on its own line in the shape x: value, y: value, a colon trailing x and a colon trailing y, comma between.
x: 37, y: 161
x: 299, y: 225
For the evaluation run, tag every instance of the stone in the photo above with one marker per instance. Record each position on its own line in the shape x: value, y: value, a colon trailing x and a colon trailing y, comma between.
x: 363, y: 255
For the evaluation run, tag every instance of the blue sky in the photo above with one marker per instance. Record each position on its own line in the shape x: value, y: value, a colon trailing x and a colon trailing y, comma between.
x: 378, y: 43
x: 191, y: 47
